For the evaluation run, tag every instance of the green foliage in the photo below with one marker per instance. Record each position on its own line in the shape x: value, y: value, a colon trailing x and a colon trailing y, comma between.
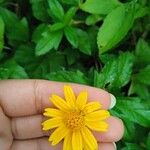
x: 101, y: 43
x: 48, y: 41
x: 1, y: 34
x: 39, y: 9
x: 144, y: 75
x: 56, y: 11
x: 142, y: 53
x: 99, y: 6
x: 71, y: 36
x: 68, y: 76
x: 133, y: 110
x: 131, y: 146
x: 116, y: 73
x: 148, y: 142
x: 10, y: 69
x: 120, y: 19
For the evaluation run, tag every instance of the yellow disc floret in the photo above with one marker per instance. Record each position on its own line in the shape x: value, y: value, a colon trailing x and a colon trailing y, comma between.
x: 74, y: 120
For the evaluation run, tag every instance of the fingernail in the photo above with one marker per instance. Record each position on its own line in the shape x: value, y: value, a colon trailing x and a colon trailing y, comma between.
x: 113, y: 101
x: 115, y: 145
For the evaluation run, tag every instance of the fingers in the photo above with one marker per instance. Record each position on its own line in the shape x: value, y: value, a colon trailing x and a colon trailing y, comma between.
x: 30, y: 97
x: 5, y: 131
x: 27, y: 127
x: 107, y: 146
x: 114, y: 133
x: 42, y: 144
x: 34, y: 144
x: 30, y: 127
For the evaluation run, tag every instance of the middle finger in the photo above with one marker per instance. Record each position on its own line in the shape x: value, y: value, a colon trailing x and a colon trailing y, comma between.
x: 30, y: 127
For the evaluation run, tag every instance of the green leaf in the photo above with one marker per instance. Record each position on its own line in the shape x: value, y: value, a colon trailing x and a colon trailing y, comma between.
x: 139, y: 89
x: 72, y: 55
x: 57, y: 62
x: 56, y: 11
x: 25, y: 55
x: 49, y: 41
x: 83, y: 38
x: 4, y: 73
x: 69, y: 15
x: 107, y: 75
x: 71, y: 2
x: 130, y: 130
x: 37, y: 67
x: 131, y: 146
x: 56, y: 26
x: 124, y: 70
x: 1, y: 34
x: 92, y: 34
x: 13, y: 70
x: 37, y: 33
x: 92, y: 19
x: 9, y: 18
x: 141, y: 11
x: 134, y: 110
x: 39, y: 8
x: 71, y: 36
x: 142, y: 53
x: 1, y: 1
x: 148, y: 142
x: 68, y: 76
x: 99, y: 6
x: 115, y: 27
x: 116, y: 73
x: 20, y: 30
x: 144, y: 75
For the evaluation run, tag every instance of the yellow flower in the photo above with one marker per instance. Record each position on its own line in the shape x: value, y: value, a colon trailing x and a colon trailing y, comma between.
x: 73, y: 120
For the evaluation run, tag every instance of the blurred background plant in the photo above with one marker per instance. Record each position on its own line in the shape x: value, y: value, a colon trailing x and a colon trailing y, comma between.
x: 102, y: 43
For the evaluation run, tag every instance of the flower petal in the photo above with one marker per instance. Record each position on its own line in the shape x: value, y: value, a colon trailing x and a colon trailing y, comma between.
x: 59, y: 103
x: 77, y: 140
x: 97, y: 115
x: 97, y: 126
x: 88, y: 139
x: 68, y: 142
x: 85, y: 147
x: 52, y: 123
x: 92, y: 106
x: 58, y: 134
x: 81, y: 100
x: 69, y: 95
x: 51, y: 112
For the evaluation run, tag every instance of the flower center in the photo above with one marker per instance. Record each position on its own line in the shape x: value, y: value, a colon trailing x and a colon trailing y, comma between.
x: 74, y: 120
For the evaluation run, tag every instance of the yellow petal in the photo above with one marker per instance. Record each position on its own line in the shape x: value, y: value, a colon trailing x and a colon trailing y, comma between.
x: 89, y: 139
x: 81, y: 100
x: 68, y: 142
x: 85, y: 147
x: 58, y: 134
x: 59, y: 103
x: 69, y: 95
x: 77, y: 140
x: 51, y: 123
x: 51, y: 112
x: 92, y: 106
x: 97, y: 125
x: 97, y: 115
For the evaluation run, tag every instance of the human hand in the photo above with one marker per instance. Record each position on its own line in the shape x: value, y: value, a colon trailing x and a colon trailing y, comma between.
x: 22, y: 103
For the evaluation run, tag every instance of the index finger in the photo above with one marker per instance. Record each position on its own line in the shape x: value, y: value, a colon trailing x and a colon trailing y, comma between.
x: 30, y: 97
